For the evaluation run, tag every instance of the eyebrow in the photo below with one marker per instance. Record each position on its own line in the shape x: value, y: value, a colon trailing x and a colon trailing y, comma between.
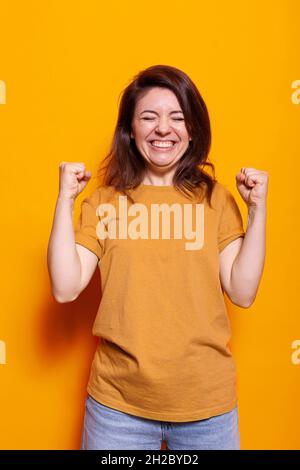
x: 151, y: 111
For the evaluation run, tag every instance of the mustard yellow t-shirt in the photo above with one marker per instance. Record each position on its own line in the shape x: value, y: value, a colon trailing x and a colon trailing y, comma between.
x: 162, y: 318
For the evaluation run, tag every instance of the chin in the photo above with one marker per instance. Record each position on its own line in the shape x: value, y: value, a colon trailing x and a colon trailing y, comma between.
x: 162, y: 164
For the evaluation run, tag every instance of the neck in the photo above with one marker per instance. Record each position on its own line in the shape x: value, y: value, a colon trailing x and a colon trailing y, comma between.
x: 158, y: 180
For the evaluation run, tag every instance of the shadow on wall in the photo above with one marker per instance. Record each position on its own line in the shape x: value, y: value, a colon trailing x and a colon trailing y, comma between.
x: 63, y: 327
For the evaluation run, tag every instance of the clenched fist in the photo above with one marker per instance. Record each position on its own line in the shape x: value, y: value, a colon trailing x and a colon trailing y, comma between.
x: 72, y: 179
x: 252, y: 185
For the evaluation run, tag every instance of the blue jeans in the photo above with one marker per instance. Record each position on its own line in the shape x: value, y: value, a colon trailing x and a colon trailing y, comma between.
x: 110, y: 429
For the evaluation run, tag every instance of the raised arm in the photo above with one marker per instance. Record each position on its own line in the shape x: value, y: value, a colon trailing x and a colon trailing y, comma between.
x: 70, y: 265
x: 242, y: 261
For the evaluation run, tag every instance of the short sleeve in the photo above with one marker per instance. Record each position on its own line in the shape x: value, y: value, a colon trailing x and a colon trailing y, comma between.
x: 85, y: 228
x: 231, y: 222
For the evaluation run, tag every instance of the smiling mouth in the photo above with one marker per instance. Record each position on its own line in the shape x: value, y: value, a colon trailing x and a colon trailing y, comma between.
x: 162, y: 145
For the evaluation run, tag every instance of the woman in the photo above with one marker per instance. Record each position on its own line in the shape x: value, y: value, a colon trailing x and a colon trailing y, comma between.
x: 169, y: 240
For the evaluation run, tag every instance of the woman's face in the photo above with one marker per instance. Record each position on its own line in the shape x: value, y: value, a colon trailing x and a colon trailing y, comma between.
x: 158, y: 128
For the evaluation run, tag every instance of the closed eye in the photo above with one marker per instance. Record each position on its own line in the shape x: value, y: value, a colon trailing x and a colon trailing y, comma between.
x: 175, y: 119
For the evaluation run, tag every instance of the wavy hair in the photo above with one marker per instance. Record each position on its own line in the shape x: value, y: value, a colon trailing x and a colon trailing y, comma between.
x: 124, y: 167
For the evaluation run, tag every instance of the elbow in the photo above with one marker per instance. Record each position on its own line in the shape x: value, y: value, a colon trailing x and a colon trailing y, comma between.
x: 63, y: 299
x: 242, y: 297
x: 243, y: 303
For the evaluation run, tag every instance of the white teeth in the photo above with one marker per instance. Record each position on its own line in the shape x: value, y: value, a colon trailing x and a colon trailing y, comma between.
x: 157, y: 143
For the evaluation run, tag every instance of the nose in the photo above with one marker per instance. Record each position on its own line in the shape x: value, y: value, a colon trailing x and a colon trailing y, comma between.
x: 163, y: 126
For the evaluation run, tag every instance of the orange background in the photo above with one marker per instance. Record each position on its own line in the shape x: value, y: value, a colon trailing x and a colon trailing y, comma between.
x: 64, y: 65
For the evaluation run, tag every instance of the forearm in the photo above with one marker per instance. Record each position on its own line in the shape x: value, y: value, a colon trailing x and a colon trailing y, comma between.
x: 63, y: 260
x: 248, y: 266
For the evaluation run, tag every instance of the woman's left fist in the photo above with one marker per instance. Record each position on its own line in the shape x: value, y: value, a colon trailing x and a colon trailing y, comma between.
x: 252, y: 185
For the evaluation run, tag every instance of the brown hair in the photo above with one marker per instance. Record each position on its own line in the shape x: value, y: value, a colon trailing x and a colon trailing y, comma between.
x: 126, y: 166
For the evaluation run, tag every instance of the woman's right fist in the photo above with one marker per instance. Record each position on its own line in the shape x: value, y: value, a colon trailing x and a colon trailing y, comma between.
x: 72, y: 179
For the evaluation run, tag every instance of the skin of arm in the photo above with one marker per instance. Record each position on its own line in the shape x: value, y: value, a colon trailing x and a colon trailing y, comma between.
x: 70, y: 265
x: 242, y: 261
x: 62, y: 257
